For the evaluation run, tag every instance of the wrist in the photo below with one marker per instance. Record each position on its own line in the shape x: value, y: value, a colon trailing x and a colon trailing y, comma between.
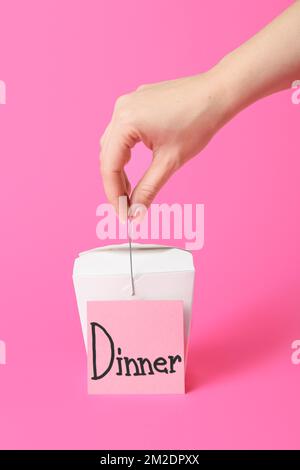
x: 223, y: 96
x: 230, y: 88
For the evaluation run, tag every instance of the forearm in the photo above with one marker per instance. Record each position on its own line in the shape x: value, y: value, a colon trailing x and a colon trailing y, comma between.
x: 177, y: 119
x: 267, y: 63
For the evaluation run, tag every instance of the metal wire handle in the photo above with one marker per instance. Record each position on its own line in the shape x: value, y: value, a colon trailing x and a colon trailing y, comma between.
x: 130, y: 259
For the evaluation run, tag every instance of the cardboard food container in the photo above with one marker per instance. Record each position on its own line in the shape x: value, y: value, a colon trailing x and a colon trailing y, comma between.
x: 156, y: 319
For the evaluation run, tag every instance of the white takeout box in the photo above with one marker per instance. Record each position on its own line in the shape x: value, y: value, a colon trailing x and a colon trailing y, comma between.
x: 160, y: 273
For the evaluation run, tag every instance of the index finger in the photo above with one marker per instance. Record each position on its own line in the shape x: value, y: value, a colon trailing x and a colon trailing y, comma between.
x: 114, y: 154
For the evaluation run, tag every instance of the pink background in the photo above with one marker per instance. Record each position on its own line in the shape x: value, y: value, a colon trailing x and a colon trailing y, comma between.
x: 64, y: 63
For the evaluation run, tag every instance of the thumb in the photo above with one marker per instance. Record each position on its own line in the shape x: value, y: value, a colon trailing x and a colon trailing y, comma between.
x: 160, y: 170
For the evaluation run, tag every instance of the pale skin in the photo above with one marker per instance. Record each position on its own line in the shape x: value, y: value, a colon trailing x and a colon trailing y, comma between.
x: 176, y: 119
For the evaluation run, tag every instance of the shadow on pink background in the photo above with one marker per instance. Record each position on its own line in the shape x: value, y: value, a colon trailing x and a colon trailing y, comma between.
x: 64, y: 63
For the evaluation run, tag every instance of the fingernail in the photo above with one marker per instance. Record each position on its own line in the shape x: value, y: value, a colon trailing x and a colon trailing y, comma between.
x: 123, y: 208
x: 136, y: 213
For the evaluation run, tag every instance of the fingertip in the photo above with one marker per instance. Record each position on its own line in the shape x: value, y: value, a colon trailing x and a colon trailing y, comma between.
x: 136, y: 213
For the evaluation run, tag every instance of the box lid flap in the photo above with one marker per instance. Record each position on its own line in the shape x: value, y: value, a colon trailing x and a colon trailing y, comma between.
x: 114, y: 260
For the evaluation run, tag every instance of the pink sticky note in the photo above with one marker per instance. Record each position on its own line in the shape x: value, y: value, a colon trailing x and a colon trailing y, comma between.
x: 135, y: 346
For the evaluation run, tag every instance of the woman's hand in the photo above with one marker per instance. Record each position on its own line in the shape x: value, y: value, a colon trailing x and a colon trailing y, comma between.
x: 174, y: 119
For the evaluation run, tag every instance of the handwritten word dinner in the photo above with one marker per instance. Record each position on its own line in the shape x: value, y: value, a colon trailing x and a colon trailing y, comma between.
x: 124, y: 365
